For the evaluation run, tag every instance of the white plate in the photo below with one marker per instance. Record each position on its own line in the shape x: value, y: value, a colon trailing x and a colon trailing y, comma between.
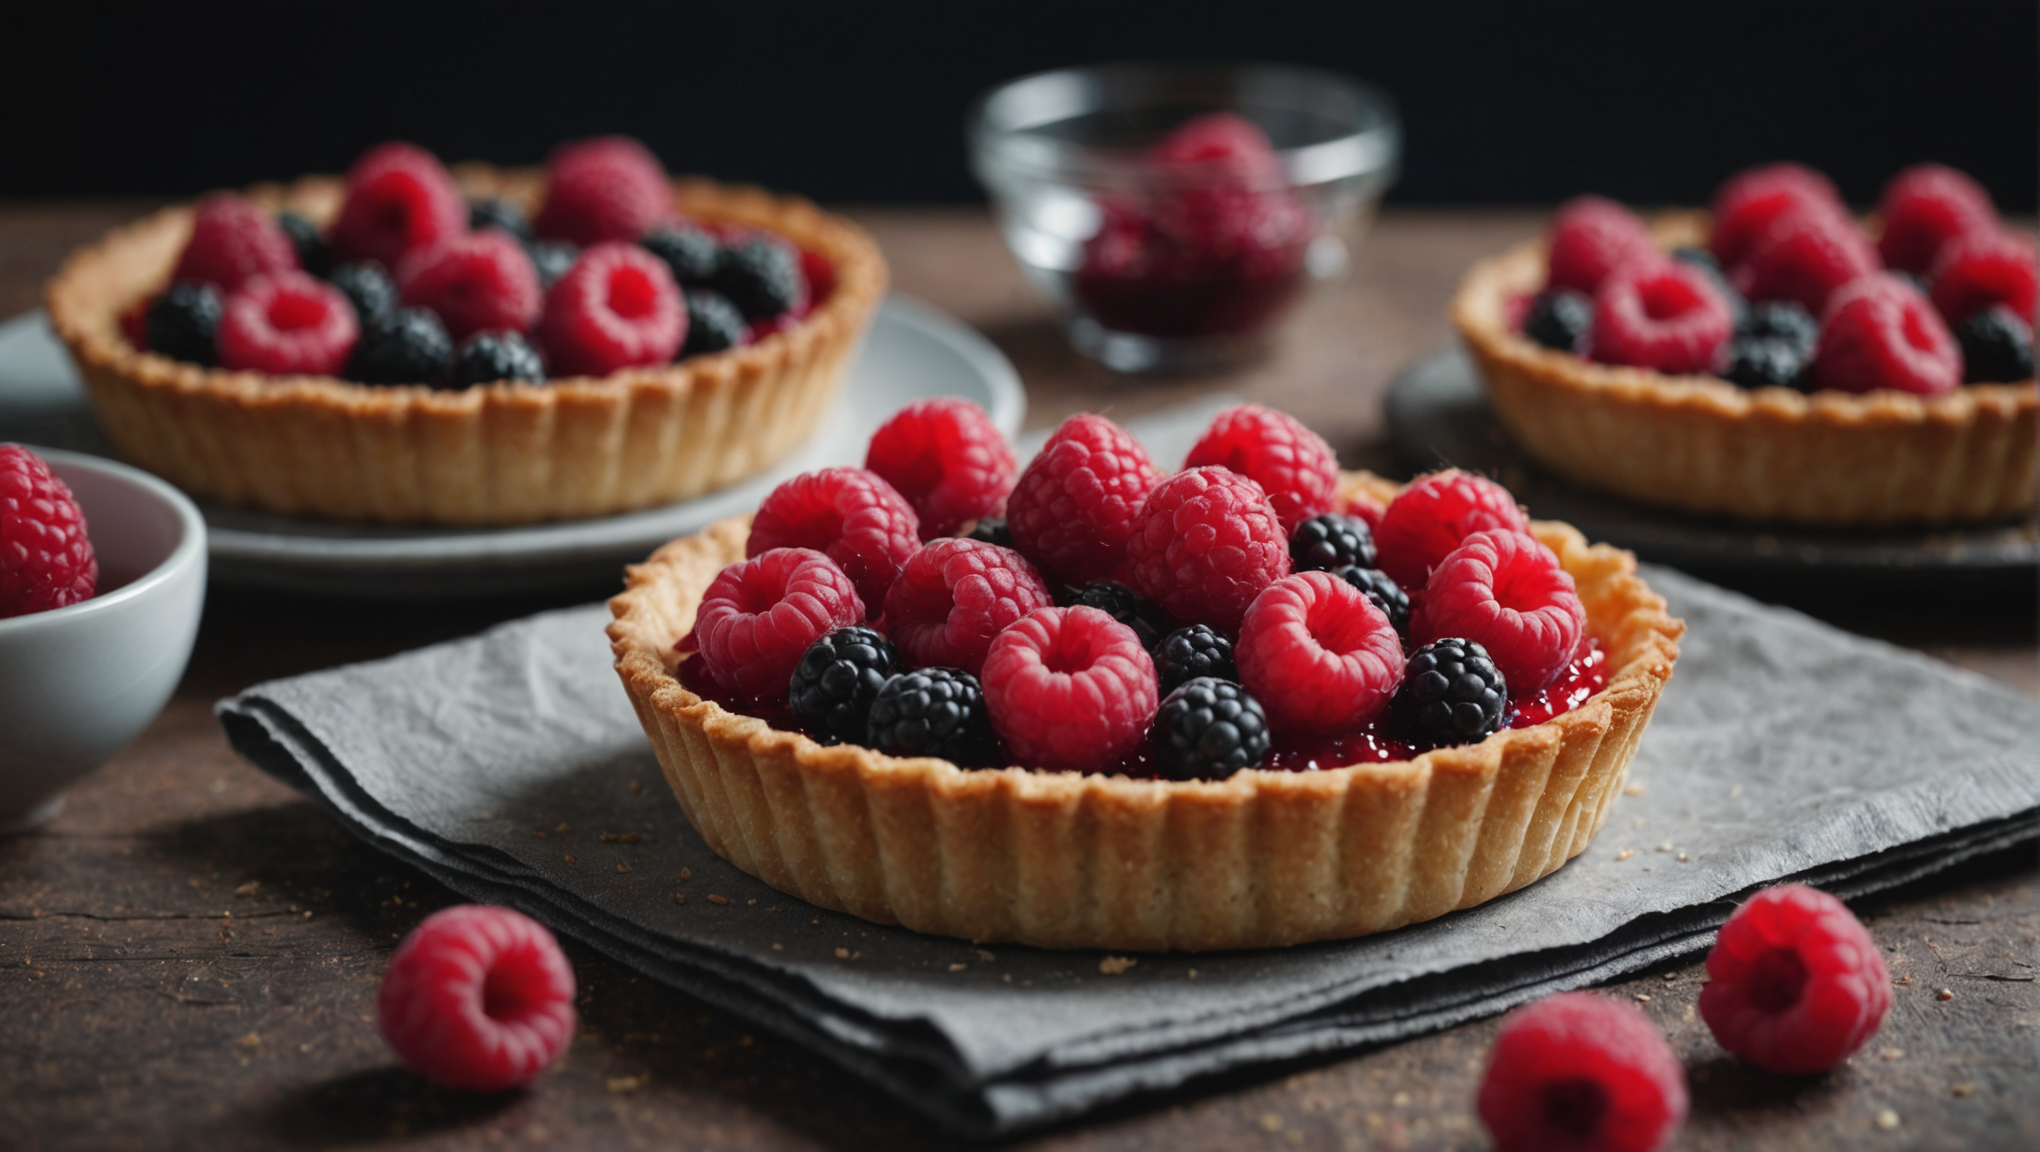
x: 911, y: 352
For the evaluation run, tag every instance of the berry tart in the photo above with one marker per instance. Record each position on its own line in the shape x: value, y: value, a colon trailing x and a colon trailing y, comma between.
x: 413, y: 344
x: 1258, y: 702
x: 1774, y: 359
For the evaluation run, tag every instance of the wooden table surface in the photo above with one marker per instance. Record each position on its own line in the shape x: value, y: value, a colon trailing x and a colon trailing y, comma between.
x: 189, y: 953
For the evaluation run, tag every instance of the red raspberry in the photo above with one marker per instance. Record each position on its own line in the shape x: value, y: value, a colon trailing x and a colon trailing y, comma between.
x: 850, y: 515
x: 1318, y: 655
x: 476, y: 281
x: 1794, y: 982
x: 1655, y: 312
x: 1925, y: 208
x: 1804, y: 255
x: 1232, y: 144
x: 399, y: 197
x: 615, y: 308
x: 610, y: 188
x: 1366, y: 508
x: 759, y: 616
x: 1881, y: 333
x: 1581, y: 1072
x: 478, y: 997
x: 287, y: 324
x: 1428, y: 519
x: 954, y: 596
x: 1978, y: 272
x: 232, y: 240
x: 1073, y: 506
x: 1747, y: 202
x: 820, y: 276
x: 1291, y: 463
x: 1505, y: 591
x: 46, y: 558
x: 948, y: 459
x: 1204, y: 545
x: 1591, y: 237
x: 1069, y: 689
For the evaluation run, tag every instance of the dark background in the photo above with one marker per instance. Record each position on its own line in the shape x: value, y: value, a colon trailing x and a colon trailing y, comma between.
x: 844, y: 101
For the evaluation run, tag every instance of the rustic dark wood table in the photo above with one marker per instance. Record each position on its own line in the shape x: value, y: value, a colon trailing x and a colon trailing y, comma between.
x: 189, y: 954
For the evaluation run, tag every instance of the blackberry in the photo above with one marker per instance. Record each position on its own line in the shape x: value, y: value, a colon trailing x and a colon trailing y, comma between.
x: 1452, y: 693
x: 1330, y: 542
x: 312, y: 253
x: 552, y: 258
x: 1188, y: 653
x: 183, y: 321
x: 1559, y: 320
x: 761, y: 277
x: 1116, y: 600
x: 934, y: 712
x: 495, y: 212
x: 1209, y: 729
x: 409, y: 347
x: 487, y: 357
x: 692, y: 254
x: 1997, y: 347
x: 1701, y: 258
x: 836, y: 681
x: 1765, y: 362
x: 992, y: 530
x: 1381, y: 588
x: 369, y: 289
x: 713, y: 323
x: 1783, y: 320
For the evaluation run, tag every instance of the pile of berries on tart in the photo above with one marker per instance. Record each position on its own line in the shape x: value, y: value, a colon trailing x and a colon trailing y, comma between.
x: 1092, y: 614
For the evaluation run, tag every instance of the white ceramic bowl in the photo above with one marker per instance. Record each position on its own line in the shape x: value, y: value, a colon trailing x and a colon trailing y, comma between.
x: 78, y: 683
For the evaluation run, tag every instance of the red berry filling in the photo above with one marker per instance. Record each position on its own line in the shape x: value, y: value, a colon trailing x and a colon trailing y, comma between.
x: 948, y: 459
x: 1291, y: 463
x: 1663, y: 314
x: 954, y: 596
x: 1204, y: 545
x: 1747, y: 203
x: 1073, y: 507
x: 478, y: 998
x: 1581, y: 1071
x: 399, y: 197
x: 1590, y: 238
x: 759, y: 616
x: 46, y: 557
x: 231, y: 241
x: 607, y: 189
x: 1795, y: 983
x: 1926, y: 208
x: 1069, y: 689
x: 1318, y: 655
x: 1983, y: 271
x: 850, y: 515
x: 1804, y: 255
x: 1429, y: 518
x: 1881, y: 333
x: 476, y: 282
x: 287, y: 324
x: 1507, y: 592
x: 617, y: 307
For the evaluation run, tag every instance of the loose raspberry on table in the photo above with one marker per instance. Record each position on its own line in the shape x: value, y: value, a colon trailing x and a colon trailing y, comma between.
x: 1658, y: 313
x: 399, y: 197
x: 1984, y: 271
x: 1581, y: 1071
x: 836, y: 681
x: 1429, y: 518
x: 610, y: 189
x: 948, y: 459
x: 953, y: 596
x: 476, y: 281
x: 46, y: 558
x: 1505, y: 591
x: 1925, y: 208
x: 1881, y: 333
x: 1804, y: 255
x: 1747, y: 202
x: 1072, y: 509
x: 616, y: 308
x: 759, y: 616
x: 1589, y: 238
x: 287, y: 324
x: 1795, y: 983
x: 850, y: 515
x: 1291, y: 463
x: 231, y: 241
x: 1318, y: 654
x: 479, y: 998
x: 1205, y: 543
x: 1208, y: 729
x: 1069, y: 689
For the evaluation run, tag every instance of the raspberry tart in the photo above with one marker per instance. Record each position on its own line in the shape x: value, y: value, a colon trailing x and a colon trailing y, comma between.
x: 472, y: 346
x: 1774, y: 359
x: 1095, y: 737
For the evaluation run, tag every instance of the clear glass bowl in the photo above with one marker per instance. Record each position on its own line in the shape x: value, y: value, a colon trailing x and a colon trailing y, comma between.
x: 1173, y: 265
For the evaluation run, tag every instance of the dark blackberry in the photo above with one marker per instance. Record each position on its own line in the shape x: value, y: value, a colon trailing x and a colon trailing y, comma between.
x: 183, y: 321
x: 761, y: 277
x: 1997, y: 347
x: 1188, y: 653
x: 1209, y: 729
x: 1381, y: 588
x: 1116, y: 600
x: 312, y: 253
x: 1452, y: 693
x: 713, y: 323
x: 368, y: 288
x: 410, y: 347
x: 494, y: 212
x: 487, y: 357
x: 1765, y: 362
x: 934, y: 712
x: 1701, y: 258
x: 836, y: 681
x: 691, y: 253
x: 1559, y: 320
x: 992, y: 530
x: 1329, y: 542
x: 552, y: 258
x: 1782, y: 320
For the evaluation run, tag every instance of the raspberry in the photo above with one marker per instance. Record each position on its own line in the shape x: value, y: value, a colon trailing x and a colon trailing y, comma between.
x: 618, y: 307
x: 1983, y: 271
x: 1881, y: 333
x: 819, y: 274
x: 1187, y: 653
x: 1658, y: 313
x: 1291, y: 463
x: 713, y: 324
x: 852, y: 516
x: 948, y: 459
x: 1589, y: 238
x: 1431, y: 516
x: 1997, y: 347
x: 1204, y: 545
x: 1387, y: 595
x: 475, y: 281
x: 1925, y: 208
x: 46, y: 558
x: 1073, y: 506
x: 408, y: 346
x: 1198, y: 261
x: 1747, y: 202
x: 1452, y: 693
x: 487, y: 357
x: 231, y: 241
x: 1581, y: 1071
x: 399, y: 197
x: 934, y: 712
x: 1318, y: 654
x: 184, y: 323
x: 479, y: 998
x: 836, y: 681
x: 954, y: 595
x: 287, y: 324
x: 1794, y: 982
x: 759, y: 615
x: 1233, y: 145
x: 1209, y: 729
x: 1367, y: 510
x: 1505, y: 591
x: 610, y: 189
x: 1069, y: 689
x: 1805, y: 255
x: 1559, y: 320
